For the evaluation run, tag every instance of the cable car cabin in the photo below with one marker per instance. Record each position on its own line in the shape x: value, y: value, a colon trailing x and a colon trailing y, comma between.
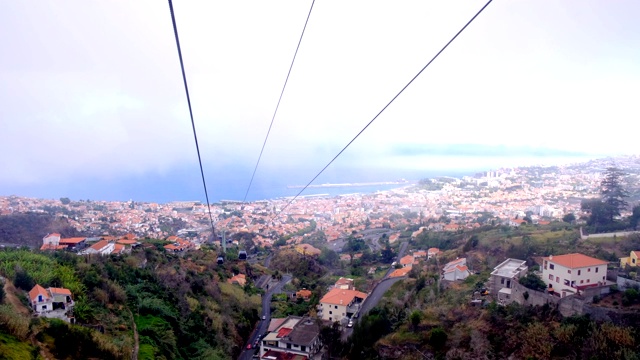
x: 242, y: 255
x: 220, y: 260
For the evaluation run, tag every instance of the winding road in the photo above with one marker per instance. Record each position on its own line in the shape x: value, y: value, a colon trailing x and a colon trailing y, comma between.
x: 263, y: 325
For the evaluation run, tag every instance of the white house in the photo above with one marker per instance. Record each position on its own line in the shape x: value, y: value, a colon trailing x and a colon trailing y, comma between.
x: 568, y: 274
x: 102, y: 247
x: 504, y: 276
x: 456, y: 270
x: 45, y: 300
x: 291, y: 338
x: 338, y: 304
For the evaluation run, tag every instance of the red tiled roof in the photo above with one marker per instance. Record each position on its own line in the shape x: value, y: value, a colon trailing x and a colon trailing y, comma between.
x: 73, y: 240
x: 126, y: 242
x: 284, y: 332
x: 575, y: 260
x: 339, y: 296
x: 60, y: 291
x: 99, y: 245
x: 38, y: 290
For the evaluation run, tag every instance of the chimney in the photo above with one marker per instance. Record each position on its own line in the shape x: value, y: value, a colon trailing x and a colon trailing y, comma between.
x: 550, y: 257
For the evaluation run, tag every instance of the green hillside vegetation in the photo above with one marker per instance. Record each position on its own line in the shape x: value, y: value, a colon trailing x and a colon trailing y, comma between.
x: 422, y: 317
x: 182, y: 306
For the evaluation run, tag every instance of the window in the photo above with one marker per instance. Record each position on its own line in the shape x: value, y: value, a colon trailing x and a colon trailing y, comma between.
x: 589, y: 270
x: 509, y: 284
x: 330, y: 312
x: 551, y: 266
x: 588, y: 281
x: 603, y: 278
x: 551, y: 277
x: 566, y: 282
x: 545, y: 264
x: 569, y: 271
x: 502, y: 281
x: 288, y: 346
x: 633, y: 261
x: 596, y: 269
x: 579, y: 272
x: 557, y: 279
x: 336, y: 306
x: 44, y: 307
x: 303, y: 348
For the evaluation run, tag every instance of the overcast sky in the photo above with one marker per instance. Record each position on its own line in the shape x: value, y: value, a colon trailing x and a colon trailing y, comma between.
x: 91, y: 91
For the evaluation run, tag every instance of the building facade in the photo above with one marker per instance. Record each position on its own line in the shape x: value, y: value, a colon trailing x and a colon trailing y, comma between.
x: 293, y: 336
x: 569, y: 274
x: 503, y: 279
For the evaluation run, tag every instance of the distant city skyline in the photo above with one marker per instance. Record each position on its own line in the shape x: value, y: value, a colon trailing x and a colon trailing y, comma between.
x: 92, y: 103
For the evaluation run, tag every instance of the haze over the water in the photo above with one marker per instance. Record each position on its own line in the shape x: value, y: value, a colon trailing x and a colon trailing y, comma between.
x: 92, y: 104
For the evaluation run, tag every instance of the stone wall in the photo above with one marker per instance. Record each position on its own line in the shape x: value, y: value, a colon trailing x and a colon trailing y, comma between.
x: 624, y: 283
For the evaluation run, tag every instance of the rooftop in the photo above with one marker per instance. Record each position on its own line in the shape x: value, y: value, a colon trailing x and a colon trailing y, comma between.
x: 575, y: 260
x: 509, y: 268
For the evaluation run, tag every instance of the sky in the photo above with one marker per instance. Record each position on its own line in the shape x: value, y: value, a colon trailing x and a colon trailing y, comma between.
x: 92, y: 103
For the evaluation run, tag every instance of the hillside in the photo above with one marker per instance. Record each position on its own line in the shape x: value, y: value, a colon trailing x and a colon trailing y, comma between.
x: 182, y: 306
x: 424, y: 317
x: 28, y: 229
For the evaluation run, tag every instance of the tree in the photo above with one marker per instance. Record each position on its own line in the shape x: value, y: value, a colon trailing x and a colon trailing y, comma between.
x: 65, y: 200
x: 387, y: 254
x: 532, y: 281
x: 569, y: 218
x: 415, y: 318
x: 613, y: 194
x: 635, y: 217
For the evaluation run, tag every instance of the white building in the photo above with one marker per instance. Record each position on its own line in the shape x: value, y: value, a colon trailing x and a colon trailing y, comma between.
x: 292, y: 336
x: 568, y: 274
x: 456, y: 270
x: 102, y: 247
x: 504, y: 276
x: 338, y: 304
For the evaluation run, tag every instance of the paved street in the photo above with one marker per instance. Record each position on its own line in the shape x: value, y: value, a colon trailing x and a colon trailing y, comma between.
x: 263, y: 325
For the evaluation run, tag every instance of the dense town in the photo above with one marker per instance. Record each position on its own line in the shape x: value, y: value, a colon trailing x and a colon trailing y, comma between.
x: 504, y: 196
x: 472, y: 212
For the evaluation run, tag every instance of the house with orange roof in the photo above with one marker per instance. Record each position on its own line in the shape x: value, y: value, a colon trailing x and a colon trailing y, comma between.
x: 432, y: 252
x: 44, y: 301
x: 407, y: 260
x: 74, y: 242
x: 631, y: 260
x: 303, y: 294
x: 569, y: 274
x: 239, y: 279
x: 102, y: 247
x: 339, y: 304
x: 400, y: 272
x: 456, y: 270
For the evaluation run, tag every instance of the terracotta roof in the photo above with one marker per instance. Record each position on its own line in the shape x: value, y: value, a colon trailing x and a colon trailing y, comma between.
x: 99, y: 245
x: 341, y: 296
x: 38, y: 290
x: 283, y: 332
x: 126, y: 242
x: 73, y: 240
x: 60, y: 291
x: 575, y: 260
x: 637, y: 253
x: 400, y: 272
x: 433, y: 250
x: 406, y: 260
x: 117, y: 248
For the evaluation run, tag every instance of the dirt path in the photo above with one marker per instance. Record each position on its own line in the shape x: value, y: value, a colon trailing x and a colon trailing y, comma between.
x: 136, y: 339
x: 11, y: 298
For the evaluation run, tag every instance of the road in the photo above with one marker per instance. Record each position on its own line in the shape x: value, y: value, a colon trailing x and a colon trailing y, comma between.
x: 263, y: 325
x: 378, y: 291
